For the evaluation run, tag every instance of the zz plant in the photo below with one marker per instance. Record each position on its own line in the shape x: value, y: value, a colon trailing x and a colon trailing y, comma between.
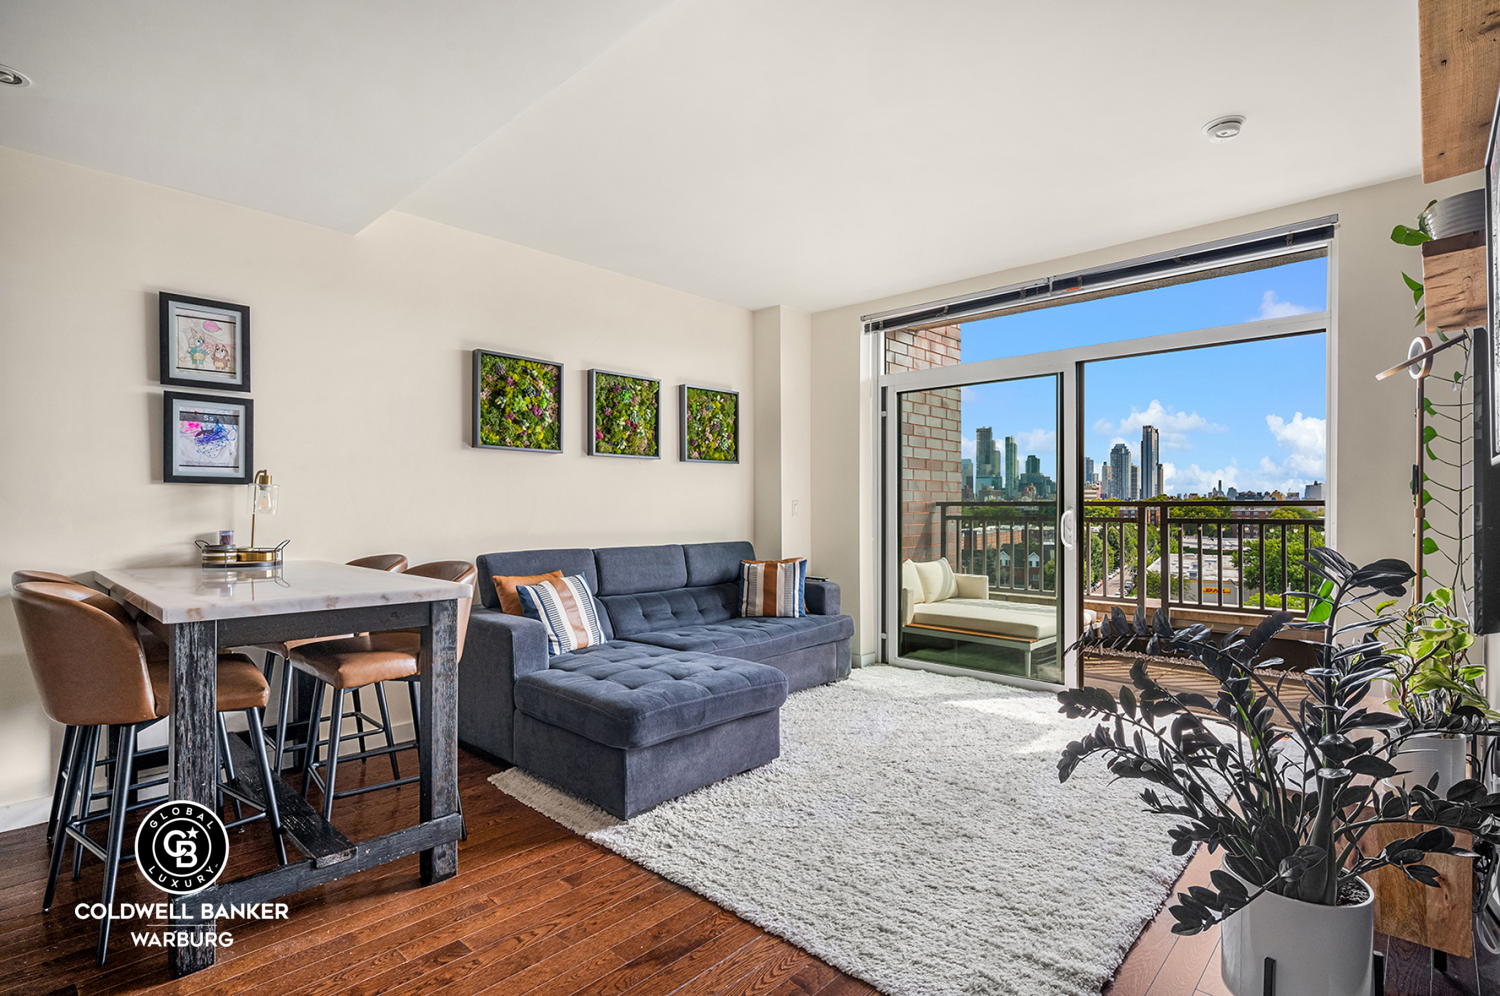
x: 1287, y: 793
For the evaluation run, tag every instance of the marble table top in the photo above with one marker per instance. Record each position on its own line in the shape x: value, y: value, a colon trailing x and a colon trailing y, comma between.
x: 194, y: 594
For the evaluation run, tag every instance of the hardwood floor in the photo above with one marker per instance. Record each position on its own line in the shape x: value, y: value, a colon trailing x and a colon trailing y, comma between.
x: 535, y: 909
x: 1163, y: 964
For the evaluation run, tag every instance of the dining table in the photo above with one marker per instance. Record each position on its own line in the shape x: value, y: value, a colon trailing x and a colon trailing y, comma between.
x: 198, y: 611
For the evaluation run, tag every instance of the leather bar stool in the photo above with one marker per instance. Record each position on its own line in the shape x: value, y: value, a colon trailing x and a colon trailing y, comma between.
x: 344, y: 665
x: 92, y: 674
x: 393, y: 563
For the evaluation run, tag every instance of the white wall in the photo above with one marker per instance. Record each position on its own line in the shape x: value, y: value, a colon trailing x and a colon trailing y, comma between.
x: 361, y: 369
x: 1371, y: 429
x: 783, y: 407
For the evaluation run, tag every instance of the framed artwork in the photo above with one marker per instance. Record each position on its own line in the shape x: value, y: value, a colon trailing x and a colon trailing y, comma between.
x: 207, y: 439
x: 204, y: 343
x: 518, y: 403
x: 710, y: 424
x: 624, y: 415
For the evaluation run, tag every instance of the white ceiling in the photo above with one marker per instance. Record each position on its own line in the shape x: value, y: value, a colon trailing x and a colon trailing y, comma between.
x: 812, y: 153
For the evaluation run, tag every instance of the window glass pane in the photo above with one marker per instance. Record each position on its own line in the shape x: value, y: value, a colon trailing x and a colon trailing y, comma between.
x: 1274, y: 292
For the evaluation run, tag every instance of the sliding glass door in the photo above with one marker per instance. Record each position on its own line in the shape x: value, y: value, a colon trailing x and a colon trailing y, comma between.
x: 977, y: 576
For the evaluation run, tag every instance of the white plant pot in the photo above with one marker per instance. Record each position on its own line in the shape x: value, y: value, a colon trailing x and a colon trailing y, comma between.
x: 1319, y: 950
x: 1428, y: 754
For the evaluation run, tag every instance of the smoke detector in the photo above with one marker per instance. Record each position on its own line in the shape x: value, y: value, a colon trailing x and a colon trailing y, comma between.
x: 12, y: 77
x: 1225, y: 128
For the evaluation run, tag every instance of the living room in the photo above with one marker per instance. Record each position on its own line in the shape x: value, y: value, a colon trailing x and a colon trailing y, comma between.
x: 767, y: 747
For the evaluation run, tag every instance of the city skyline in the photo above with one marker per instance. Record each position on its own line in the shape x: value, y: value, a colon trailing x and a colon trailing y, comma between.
x: 1250, y: 414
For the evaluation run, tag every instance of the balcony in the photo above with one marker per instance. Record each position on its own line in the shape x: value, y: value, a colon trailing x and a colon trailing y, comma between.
x: 1227, y: 563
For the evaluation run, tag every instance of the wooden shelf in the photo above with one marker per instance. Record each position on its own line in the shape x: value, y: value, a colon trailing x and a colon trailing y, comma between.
x: 1460, y: 59
x: 1455, y: 295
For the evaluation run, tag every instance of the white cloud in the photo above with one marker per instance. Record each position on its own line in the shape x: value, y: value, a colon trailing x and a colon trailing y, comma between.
x: 1194, y: 479
x: 1305, y: 438
x: 1272, y: 307
x: 1036, y: 441
x: 1172, y: 425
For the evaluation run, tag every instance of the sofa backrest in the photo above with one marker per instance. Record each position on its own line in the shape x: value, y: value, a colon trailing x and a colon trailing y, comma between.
x: 629, y: 570
x: 524, y: 563
x: 645, y: 589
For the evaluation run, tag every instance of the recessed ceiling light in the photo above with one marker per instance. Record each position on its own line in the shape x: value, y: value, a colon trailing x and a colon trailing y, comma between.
x: 1225, y: 128
x: 11, y: 77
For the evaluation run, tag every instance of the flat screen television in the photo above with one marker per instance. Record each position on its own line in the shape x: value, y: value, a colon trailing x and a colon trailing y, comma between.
x: 1486, y: 368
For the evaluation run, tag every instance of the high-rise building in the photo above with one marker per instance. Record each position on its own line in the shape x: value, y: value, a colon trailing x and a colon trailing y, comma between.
x: 1313, y: 492
x: 1150, y: 460
x: 1135, y: 483
x: 1119, y: 472
x: 1161, y: 481
x: 1088, y: 472
x: 984, y: 451
x: 968, y: 477
x: 1012, y: 467
x: 1105, y: 483
x: 1033, y: 464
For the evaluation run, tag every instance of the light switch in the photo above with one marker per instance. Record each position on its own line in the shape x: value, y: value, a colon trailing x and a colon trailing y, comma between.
x: 794, y: 507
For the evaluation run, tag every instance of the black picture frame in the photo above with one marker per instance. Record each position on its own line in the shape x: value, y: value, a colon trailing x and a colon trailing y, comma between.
x: 176, y: 404
x: 477, y: 402
x: 598, y: 432
x: 183, y: 361
x: 683, y: 424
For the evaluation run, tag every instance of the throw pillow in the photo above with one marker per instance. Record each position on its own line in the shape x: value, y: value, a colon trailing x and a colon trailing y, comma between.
x: 510, y: 602
x: 566, y: 608
x: 938, y: 582
x: 773, y: 587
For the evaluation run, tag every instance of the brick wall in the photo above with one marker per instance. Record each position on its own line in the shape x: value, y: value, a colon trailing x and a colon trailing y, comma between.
x: 931, y: 438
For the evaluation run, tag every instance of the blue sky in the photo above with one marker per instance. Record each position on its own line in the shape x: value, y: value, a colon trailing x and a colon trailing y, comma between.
x: 1252, y: 415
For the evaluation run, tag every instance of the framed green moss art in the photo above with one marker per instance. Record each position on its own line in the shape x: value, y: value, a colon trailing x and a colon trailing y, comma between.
x: 710, y: 424
x: 626, y: 415
x: 518, y: 403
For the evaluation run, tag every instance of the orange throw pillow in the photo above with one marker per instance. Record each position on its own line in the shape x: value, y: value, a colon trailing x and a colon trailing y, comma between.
x: 510, y: 602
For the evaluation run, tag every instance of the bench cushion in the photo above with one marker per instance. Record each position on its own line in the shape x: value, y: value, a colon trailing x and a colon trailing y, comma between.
x: 1021, y: 620
x: 757, y: 639
x: 628, y: 696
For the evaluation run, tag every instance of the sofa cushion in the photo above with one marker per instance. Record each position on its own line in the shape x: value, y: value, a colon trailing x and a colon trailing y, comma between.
x: 653, y: 610
x: 754, y: 639
x: 937, y: 580
x: 715, y: 563
x: 505, y: 588
x: 773, y: 587
x: 626, y: 570
x: 620, y: 696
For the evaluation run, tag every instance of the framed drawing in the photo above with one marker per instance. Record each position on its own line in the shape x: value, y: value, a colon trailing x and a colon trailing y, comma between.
x: 624, y: 415
x: 204, y: 343
x: 207, y: 439
x: 710, y: 424
x: 517, y: 403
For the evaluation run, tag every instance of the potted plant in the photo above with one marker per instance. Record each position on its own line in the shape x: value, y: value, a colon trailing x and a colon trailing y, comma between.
x: 1435, y: 687
x: 1287, y: 794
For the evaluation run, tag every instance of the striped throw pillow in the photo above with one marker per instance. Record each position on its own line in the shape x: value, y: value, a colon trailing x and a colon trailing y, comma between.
x: 566, y: 608
x: 773, y: 587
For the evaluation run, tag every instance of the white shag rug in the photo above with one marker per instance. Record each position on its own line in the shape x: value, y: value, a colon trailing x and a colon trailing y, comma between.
x: 913, y: 834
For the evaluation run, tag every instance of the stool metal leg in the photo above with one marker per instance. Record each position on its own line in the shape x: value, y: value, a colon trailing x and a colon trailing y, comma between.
x: 314, y: 729
x: 385, y: 718
x: 273, y: 811
x: 270, y: 663
x: 69, y: 806
x: 86, y: 792
x: 331, y: 766
x: 118, y: 794
x: 359, y: 720
x: 64, y: 763
x: 281, y: 713
x: 227, y: 760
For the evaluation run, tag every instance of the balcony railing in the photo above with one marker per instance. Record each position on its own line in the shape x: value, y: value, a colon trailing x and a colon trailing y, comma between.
x: 1237, y: 556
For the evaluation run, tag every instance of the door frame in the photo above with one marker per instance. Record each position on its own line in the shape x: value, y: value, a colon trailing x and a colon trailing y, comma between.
x: 1069, y: 365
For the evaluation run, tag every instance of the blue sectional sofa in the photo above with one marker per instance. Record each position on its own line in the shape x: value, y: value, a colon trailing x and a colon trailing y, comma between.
x: 683, y: 692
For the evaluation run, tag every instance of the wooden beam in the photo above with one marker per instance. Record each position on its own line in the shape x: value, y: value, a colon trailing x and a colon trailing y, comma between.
x: 1460, y: 66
